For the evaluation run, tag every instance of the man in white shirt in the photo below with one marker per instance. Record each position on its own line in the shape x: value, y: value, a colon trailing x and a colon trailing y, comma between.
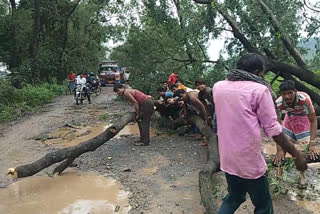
x: 80, y: 80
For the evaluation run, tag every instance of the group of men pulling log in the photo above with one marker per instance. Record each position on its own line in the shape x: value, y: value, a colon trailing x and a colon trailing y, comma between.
x: 236, y: 109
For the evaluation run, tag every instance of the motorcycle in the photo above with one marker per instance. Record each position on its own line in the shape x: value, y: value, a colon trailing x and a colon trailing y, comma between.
x: 80, y: 94
x: 95, y: 88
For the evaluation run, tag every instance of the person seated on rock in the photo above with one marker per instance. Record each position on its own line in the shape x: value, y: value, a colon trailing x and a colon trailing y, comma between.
x: 144, y: 108
x: 300, y: 121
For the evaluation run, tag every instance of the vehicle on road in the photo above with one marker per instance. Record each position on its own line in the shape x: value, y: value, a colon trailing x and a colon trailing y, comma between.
x: 80, y: 94
x: 95, y: 88
x: 109, y: 70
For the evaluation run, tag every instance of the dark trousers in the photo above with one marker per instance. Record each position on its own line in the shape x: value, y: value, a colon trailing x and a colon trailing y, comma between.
x: 258, y: 190
x: 146, y: 110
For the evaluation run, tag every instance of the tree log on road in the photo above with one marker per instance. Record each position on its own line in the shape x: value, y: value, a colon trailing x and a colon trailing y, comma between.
x: 207, y: 179
x: 67, y: 155
x: 213, y: 160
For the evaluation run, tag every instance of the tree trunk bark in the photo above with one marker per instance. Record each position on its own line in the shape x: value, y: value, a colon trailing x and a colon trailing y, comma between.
x: 61, y: 68
x: 213, y: 160
x: 33, y: 46
x: 283, y: 36
x: 13, y: 63
x: 271, y: 65
x: 69, y: 154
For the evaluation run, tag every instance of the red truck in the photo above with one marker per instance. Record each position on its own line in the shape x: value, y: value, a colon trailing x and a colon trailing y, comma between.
x: 110, y: 71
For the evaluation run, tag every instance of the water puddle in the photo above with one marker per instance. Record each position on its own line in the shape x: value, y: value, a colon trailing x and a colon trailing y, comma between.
x: 71, y: 136
x: 132, y: 129
x: 70, y: 193
x: 67, y: 136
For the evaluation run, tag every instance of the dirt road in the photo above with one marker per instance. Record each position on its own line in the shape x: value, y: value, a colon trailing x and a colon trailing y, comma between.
x: 161, y: 178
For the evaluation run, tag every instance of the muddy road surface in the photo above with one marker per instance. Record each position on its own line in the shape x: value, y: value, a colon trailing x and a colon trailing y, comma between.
x: 160, y: 178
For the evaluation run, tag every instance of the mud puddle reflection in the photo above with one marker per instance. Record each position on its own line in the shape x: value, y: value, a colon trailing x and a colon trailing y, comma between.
x: 70, y: 193
x: 71, y: 136
x: 132, y: 129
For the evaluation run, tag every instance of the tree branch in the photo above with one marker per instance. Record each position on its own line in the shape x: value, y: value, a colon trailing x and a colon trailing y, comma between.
x: 203, y: 1
x: 282, y: 35
x: 67, y: 155
x: 305, y: 3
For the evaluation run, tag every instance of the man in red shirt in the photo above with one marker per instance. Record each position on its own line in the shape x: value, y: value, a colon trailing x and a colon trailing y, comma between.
x: 173, y: 77
x: 72, y: 80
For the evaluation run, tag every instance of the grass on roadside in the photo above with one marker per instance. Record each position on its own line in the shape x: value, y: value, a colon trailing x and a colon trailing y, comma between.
x: 16, y: 102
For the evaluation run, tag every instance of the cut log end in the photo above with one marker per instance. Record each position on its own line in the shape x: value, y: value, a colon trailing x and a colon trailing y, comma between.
x: 12, y: 172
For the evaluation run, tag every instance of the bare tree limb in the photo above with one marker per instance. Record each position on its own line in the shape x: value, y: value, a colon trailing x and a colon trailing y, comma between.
x: 310, y: 8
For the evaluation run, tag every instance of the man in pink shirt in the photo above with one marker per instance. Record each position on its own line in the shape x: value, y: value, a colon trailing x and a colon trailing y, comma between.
x: 243, y: 104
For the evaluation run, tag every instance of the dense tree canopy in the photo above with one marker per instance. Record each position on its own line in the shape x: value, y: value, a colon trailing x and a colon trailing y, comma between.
x: 42, y: 40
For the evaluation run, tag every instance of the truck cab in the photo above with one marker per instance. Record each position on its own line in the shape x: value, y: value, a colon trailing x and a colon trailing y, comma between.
x: 109, y: 72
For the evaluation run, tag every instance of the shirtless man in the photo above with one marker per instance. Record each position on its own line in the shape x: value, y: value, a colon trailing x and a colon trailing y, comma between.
x: 193, y: 103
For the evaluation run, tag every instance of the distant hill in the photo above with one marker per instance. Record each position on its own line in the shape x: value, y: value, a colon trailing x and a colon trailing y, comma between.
x: 310, y: 45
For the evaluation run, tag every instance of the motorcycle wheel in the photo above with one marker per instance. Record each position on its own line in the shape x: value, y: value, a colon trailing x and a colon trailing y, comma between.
x: 81, y: 99
x: 98, y: 91
x: 77, y: 100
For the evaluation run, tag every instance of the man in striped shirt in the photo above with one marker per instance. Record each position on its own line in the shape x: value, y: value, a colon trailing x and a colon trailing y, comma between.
x: 300, y: 122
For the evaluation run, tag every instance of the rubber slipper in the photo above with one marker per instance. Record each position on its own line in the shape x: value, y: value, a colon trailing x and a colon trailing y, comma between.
x: 141, y: 144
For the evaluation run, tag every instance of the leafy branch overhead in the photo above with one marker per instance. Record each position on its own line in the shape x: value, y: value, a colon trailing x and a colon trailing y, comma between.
x: 42, y: 41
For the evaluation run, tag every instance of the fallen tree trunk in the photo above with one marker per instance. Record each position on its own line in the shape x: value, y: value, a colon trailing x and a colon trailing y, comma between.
x: 213, y: 160
x: 207, y: 179
x: 69, y: 154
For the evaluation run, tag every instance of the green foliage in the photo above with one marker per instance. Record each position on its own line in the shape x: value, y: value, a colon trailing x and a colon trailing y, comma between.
x: 15, y: 102
x: 68, y: 37
x: 163, y: 42
x: 276, y: 84
x: 103, y: 116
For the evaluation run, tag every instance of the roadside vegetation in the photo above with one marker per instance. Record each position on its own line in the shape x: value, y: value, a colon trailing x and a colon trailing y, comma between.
x: 16, y: 102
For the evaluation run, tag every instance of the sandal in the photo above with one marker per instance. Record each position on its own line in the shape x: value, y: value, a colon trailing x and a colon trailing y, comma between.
x: 139, y: 143
x: 204, y: 143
